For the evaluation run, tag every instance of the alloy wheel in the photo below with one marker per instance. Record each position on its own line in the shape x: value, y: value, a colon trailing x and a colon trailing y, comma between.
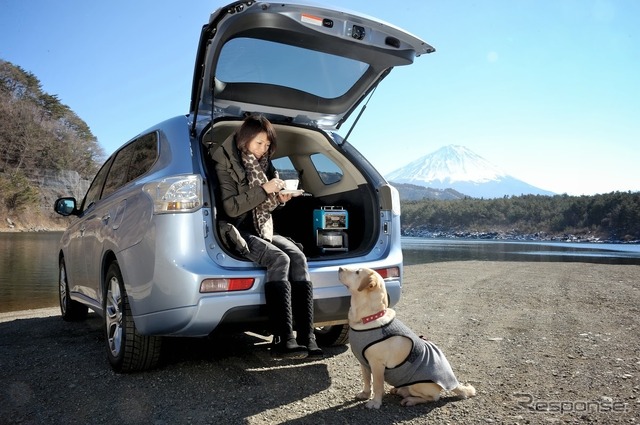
x: 113, y: 316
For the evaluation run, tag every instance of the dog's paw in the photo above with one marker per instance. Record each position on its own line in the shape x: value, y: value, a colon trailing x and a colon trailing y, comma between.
x: 412, y: 401
x: 465, y: 391
x: 364, y: 395
x: 374, y: 404
x: 408, y: 401
x: 402, y: 391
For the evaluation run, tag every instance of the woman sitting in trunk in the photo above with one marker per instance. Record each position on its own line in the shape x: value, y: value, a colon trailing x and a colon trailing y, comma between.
x: 249, y: 191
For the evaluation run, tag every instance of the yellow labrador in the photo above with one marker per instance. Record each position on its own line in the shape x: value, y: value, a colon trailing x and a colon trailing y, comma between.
x: 389, y: 350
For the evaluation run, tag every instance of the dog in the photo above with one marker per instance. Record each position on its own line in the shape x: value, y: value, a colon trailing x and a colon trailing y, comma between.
x: 389, y: 351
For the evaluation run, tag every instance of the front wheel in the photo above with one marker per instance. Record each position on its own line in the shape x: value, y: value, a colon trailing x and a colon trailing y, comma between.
x: 69, y: 310
x: 332, y: 335
x: 127, y: 350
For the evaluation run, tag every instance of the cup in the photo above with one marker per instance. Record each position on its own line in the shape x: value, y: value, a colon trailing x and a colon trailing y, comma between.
x: 291, y: 184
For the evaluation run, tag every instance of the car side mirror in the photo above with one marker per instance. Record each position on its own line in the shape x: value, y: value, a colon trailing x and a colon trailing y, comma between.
x: 65, y: 206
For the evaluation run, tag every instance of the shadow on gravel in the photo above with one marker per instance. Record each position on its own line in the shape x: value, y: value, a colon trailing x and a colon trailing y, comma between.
x: 391, y: 412
x: 221, y: 346
x: 57, y: 372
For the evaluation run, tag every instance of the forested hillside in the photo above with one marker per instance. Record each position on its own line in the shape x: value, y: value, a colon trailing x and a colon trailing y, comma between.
x: 39, y: 137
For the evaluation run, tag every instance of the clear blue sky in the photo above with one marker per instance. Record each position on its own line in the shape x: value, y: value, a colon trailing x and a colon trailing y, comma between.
x: 547, y: 90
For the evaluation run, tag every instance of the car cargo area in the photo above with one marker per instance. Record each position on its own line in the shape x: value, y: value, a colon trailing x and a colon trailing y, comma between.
x: 338, y: 213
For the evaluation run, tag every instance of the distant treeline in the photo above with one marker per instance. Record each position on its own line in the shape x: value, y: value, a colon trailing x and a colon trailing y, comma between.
x: 611, y: 216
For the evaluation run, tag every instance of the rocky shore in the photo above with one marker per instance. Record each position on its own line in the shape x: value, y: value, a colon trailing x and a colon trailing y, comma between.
x: 511, y: 235
x: 541, y: 342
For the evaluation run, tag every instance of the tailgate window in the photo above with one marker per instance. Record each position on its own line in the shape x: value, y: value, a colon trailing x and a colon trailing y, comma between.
x: 250, y: 60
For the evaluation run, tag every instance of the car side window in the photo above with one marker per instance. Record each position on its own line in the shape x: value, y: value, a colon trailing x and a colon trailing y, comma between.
x: 144, y: 156
x: 328, y: 171
x: 285, y: 168
x: 95, y: 190
x: 131, y: 162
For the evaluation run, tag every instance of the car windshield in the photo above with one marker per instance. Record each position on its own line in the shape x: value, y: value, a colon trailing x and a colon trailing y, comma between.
x: 249, y: 60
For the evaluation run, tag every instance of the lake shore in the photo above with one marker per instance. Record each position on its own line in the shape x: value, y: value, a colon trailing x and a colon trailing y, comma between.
x: 541, y: 342
x: 29, y: 314
x: 512, y: 236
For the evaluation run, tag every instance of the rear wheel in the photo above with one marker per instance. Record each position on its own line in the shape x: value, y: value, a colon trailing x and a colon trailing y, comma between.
x: 332, y: 335
x: 70, y: 310
x: 127, y: 350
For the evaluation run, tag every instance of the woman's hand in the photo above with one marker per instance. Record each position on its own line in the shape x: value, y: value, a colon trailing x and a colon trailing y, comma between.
x: 284, y: 197
x: 273, y: 186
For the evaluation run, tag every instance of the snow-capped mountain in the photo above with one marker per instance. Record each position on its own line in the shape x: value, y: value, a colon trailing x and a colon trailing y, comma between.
x: 459, y: 168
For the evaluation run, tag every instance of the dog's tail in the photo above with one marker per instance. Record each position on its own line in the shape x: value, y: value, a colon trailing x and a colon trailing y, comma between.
x: 465, y: 391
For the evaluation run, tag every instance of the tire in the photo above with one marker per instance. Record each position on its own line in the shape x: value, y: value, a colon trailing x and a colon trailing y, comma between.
x: 332, y: 335
x: 127, y: 350
x: 70, y: 310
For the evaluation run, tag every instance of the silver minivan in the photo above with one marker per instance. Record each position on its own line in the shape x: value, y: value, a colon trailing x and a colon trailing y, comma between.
x: 144, y: 251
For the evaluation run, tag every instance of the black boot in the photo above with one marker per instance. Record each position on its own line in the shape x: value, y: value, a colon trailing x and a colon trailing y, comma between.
x: 278, y: 296
x: 302, y: 301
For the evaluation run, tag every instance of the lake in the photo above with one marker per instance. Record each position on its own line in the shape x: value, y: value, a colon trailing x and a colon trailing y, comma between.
x: 29, y: 264
x: 426, y: 250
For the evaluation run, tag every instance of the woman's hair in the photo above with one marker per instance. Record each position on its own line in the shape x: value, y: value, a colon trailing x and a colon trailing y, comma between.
x: 252, y: 126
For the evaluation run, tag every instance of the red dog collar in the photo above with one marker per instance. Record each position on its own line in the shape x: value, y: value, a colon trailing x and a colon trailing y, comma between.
x: 373, y: 317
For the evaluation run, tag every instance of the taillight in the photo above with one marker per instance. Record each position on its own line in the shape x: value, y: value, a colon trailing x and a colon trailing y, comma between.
x: 226, y: 285
x: 175, y: 194
x: 389, y: 272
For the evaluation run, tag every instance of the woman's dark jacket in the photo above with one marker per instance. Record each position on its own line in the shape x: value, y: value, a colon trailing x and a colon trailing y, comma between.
x: 236, y: 198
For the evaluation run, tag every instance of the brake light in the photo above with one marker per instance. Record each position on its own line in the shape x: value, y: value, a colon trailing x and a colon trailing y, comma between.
x: 226, y: 285
x: 175, y: 194
x: 389, y: 272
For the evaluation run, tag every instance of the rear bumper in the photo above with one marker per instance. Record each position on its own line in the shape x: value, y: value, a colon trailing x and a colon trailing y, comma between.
x: 243, y: 312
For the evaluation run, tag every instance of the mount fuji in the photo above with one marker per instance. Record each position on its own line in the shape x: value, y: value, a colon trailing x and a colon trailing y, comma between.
x: 458, y: 168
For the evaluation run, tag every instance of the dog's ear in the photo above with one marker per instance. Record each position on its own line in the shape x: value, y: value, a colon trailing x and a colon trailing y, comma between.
x: 368, y: 282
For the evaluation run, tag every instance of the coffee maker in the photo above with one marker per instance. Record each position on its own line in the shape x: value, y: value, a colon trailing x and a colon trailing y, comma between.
x: 330, y: 224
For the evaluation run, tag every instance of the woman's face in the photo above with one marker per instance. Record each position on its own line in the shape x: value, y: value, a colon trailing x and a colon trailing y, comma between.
x: 259, y: 145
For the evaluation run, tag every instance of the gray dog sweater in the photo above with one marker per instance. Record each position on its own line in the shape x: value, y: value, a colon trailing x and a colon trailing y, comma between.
x: 425, y: 362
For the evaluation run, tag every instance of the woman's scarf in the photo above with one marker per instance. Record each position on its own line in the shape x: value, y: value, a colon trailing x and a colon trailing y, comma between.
x: 256, y: 176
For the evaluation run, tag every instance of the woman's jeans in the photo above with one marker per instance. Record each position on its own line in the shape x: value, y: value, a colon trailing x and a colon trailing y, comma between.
x: 283, y: 258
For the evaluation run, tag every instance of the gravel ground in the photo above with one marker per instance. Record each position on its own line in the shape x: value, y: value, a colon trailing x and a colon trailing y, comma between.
x: 541, y: 342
